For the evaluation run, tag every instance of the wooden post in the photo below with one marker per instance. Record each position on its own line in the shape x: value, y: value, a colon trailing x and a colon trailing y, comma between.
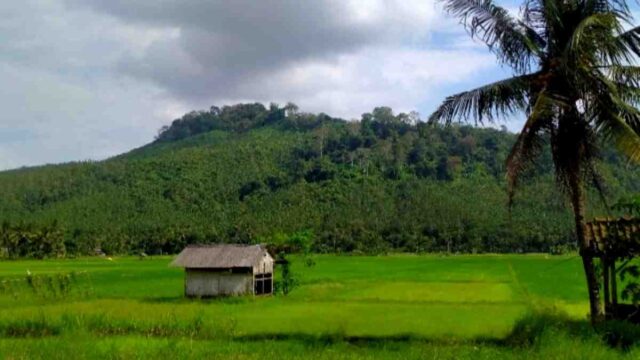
x: 607, y: 293
x: 614, y: 285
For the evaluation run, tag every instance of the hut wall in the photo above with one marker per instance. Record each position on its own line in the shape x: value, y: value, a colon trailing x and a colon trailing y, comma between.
x: 206, y: 283
x: 265, y: 266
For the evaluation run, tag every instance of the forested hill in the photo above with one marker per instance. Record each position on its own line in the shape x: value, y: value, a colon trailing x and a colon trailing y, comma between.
x: 248, y: 173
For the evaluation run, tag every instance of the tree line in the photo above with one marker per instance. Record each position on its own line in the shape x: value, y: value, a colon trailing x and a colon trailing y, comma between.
x: 384, y: 183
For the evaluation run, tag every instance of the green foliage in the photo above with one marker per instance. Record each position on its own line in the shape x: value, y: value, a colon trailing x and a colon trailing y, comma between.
x: 387, y: 183
x: 287, y: 282
x: 46, y: 287
x: 27, y: 240
x: 542, y: 324
x: 630, y: 205
x: 282, y: 246
x: 629, y: 274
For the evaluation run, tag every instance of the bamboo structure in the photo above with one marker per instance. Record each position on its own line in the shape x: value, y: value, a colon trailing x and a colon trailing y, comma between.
x: 613, y: 240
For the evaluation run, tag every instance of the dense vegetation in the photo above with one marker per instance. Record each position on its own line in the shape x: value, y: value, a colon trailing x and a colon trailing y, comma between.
x: 248, y: 173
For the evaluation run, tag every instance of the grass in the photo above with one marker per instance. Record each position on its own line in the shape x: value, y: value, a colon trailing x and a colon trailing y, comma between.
x: 476, y: 306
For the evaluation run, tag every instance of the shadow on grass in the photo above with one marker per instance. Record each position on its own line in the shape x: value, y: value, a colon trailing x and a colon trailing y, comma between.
x: 537, y: 329
x: 204, y: 300
x: 165, y: 300
x: 329, y: 339
x: 531, y: 329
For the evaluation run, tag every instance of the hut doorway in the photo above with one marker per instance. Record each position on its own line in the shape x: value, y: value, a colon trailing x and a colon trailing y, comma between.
x: 263, y: 284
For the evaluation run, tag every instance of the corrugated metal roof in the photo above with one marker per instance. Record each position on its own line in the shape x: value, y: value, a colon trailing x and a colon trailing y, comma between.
x: 220, y: 256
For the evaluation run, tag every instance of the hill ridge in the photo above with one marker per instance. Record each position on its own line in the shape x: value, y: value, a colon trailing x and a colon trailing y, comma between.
x: 254, y: 174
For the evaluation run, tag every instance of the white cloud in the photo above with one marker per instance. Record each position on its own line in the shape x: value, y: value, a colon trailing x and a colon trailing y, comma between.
x: 50, y: 118
x: 91, y: 79
x: 354, y: 83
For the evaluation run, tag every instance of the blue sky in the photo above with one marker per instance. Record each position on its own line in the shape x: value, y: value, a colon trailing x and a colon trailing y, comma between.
x: 89, y: 79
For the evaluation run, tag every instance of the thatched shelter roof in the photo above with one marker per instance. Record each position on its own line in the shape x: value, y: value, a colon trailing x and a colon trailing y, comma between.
x: 617, y: 237
x: 220, y: 256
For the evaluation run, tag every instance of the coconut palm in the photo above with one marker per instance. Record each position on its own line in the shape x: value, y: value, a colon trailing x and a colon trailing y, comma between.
x: 573, y: 78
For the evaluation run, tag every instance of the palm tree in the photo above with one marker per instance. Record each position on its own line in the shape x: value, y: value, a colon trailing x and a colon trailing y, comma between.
x: 573, y: 77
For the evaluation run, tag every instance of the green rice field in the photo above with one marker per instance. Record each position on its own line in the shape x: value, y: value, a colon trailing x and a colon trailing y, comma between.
x: 345, y: 307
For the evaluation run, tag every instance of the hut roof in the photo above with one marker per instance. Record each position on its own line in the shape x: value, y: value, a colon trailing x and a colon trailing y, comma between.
x: 220, y: 256
x: 618, y: 237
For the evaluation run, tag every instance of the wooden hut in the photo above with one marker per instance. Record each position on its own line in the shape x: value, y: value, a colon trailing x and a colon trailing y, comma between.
x: 614, y: 240
x: 226, y: 270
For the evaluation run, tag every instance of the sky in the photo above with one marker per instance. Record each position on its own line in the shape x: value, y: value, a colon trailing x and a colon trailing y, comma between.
x: 89, y: 79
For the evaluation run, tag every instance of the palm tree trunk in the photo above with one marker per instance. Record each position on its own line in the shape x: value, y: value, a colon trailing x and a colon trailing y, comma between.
x: 594, y: 291
x: 577, y: 203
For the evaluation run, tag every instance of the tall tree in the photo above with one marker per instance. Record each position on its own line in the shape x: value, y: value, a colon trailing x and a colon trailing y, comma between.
x: 573, y: 77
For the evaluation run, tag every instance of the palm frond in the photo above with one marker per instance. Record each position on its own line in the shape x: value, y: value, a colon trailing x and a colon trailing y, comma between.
x: 616, y: 120
x: 488, y: 102
x: 624, y: 136
x: 631, y: 40
x: 528, y: 145
x: 628, y: 93
x: 513, y: 42
x: 625, y: 74
x: 627, y: 82
x: 619, y: 7
x: 595, y: 42
x: 533, y: 15
x: 584, y: 90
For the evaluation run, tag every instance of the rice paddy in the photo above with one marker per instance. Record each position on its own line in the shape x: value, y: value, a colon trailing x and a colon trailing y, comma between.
x: 430, y: 306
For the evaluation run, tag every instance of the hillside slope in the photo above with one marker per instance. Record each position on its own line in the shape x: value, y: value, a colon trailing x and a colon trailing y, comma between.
x: 247, y: 173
